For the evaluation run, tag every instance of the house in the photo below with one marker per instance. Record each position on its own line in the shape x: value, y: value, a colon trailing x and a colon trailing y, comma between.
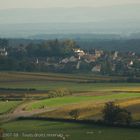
x: 96, y: 68
x: 130, y: 63
x: 65, y: 60
x: 79, y: 52
x: 131, y: 53
x: 115, y: 55
x: 89, y: 58
x: 3, y: 52
x: 71, y: 59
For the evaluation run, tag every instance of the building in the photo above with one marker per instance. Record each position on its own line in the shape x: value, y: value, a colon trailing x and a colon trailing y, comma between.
x: 64, y: 61
x: 90, y: 58
x: 3, y: 52
x: 96, y: 68
x: 71, y: 59
x: 130, y: 63
x: 79, y: 52
x: 115, y: 55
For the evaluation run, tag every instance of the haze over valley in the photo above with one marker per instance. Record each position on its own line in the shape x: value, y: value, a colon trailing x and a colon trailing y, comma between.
x: 27, y: 22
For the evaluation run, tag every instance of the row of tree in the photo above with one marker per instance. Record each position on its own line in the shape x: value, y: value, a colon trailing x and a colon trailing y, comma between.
x: 53, y: 48
x: 24, y: 57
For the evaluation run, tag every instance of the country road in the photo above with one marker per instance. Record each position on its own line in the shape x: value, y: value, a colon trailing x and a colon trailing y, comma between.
x: 20, y: 112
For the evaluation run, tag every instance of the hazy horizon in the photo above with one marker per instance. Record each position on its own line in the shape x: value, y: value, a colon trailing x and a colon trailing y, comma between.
x: 31, y: 17
x: 6, y: 4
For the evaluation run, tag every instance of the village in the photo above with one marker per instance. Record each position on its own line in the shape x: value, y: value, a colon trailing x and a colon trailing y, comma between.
x: 98, y: 61
x: 94, y: 60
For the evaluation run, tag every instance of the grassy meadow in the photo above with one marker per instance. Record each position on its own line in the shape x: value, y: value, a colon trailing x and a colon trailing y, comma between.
x: 66, y: 131
x: 54, y: 102
x: 6, y: 106
x: 89, y: 94
x: 75, y: 82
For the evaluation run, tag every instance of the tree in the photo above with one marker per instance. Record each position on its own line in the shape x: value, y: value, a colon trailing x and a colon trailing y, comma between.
x: 74, y: 114
x: 3, y: 43
x: 113, y: 114
x: 124, y: 117
x: 1, y: 134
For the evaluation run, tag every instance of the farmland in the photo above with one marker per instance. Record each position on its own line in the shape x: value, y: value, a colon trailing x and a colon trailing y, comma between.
x: 28, y: 94
x: 67, y: 131
x: 75, y: 82
x: 80, y: 99
x: 7, y: 106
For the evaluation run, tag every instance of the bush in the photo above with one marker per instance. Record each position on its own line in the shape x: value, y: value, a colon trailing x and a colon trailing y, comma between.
x: 113, y: 114
x: 74, y: 114
x: 59, y: 93
x: 1, y: 134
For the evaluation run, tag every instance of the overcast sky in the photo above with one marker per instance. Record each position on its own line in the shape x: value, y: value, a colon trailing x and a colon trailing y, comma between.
x: 5, y: 4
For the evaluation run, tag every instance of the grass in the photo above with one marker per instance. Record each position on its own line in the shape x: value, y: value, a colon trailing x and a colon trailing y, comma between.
x: 50, y: 81
x: 75, y: 87
x: 68, y: 131
x: 93, y: 109
x: 54, y: 102
x: 7, y: 106
x: 127, y: 94
x: 74, y: 82
x: 55, y: 76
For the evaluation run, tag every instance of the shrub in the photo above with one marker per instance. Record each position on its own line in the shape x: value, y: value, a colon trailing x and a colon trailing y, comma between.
x: 74, y: 114
x: 113, y: 114
x: 1, y: 134
x: 59, y: 93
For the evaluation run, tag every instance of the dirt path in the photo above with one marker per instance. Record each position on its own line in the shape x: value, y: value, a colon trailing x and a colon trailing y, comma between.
x: 20, y: 112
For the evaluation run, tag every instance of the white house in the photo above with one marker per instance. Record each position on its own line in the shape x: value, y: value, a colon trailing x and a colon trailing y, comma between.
x: 79, y: 52
x: 3, y: 52
x: 130, y: 63
x: 115, y: 55
x: 96, y: 68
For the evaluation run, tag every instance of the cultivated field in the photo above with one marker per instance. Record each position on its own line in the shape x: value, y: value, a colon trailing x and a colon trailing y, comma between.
x: 7, y: 106
x: 66, y: 131
x: 28, y: 94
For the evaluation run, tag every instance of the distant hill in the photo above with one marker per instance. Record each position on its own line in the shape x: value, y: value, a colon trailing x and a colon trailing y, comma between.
x: 122, y: 45
x: 77, y: 36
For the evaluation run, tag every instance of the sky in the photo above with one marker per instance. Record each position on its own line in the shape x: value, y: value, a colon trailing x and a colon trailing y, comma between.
x: 6, y: 4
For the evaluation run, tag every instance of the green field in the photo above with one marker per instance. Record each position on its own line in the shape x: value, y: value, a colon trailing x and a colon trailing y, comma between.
x: 78, y: 99
x: 7, y: 106
x: 67, y: 131
x: 88, y: 97
x: 75, y: 82
x: 73, y: 86
x: 83, y: 91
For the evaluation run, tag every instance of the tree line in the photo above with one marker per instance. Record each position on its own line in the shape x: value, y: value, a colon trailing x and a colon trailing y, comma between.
x: 23, y: 57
